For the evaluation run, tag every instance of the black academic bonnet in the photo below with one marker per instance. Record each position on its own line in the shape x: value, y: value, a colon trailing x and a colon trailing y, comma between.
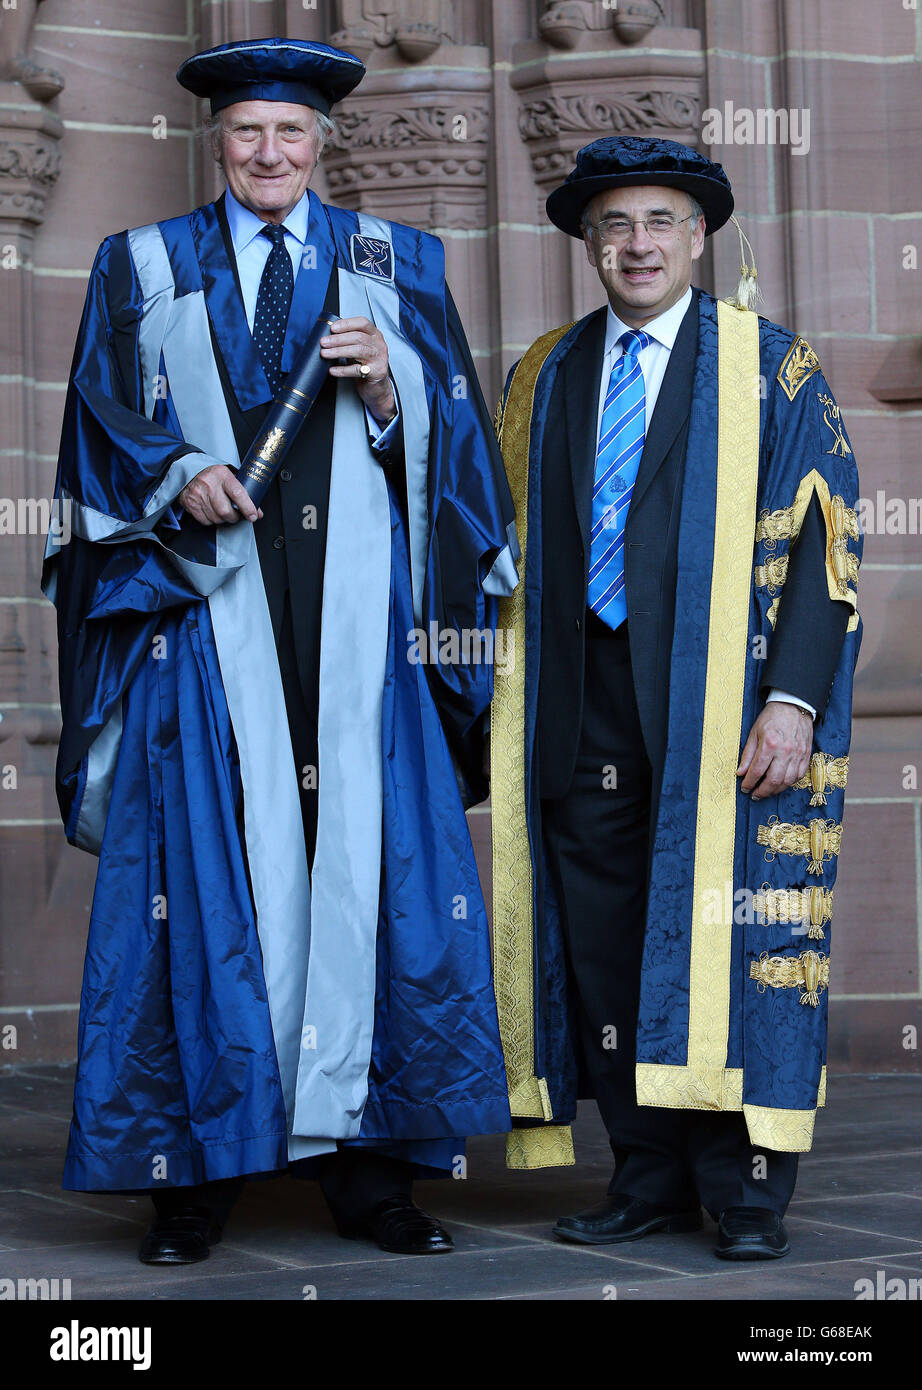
x: 619, y: 161
x: 295, y: 70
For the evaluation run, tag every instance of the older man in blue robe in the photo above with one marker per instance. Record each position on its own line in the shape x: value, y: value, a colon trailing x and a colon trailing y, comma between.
x: 288, y: 959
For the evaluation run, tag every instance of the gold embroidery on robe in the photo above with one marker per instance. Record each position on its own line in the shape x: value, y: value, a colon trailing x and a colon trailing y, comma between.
x: 796, y: 905
x: 825, y: 774
x: 840, y: 444
x: 772, y: 574
x: 819, y: 841
x: 798, y: 366
x: 809, y: 971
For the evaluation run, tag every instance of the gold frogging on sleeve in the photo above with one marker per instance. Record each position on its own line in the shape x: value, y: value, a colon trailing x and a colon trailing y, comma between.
x: 844, y: 563
x: 809, y: 972
x: 784, y: 524
x: 825, y: 774
x: 819, y: 841
x: 772, y: 574
x: 799, y: 365
x: 808, y: 905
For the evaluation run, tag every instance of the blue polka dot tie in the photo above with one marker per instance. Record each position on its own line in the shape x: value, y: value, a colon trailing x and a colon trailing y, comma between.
x: 617, y: 460
x: 273, y: 302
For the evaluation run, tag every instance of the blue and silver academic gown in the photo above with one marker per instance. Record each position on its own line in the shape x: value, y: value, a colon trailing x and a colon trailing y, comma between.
x: 734, y: 981
x: 237, y: 1015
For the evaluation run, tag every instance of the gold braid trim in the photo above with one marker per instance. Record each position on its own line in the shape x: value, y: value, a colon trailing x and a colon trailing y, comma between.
x: 788, y: 1131
x: 813, y: 905
x: 706, y: 1083
x: 709, y: 983
x: 820, y: 840
x: 513, y: 932
x: 785, y: 1131
x: 809, y: 971
x: 825, y: 774
x: 550, y: 1146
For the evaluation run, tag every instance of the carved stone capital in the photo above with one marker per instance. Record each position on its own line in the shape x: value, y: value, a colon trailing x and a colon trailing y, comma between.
x: 30, y: 158
x: 424, y: 163
x: 561, y: 110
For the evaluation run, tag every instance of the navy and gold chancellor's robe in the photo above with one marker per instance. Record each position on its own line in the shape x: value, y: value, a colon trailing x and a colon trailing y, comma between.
x: 733, y: 987
x: 238, y: 1012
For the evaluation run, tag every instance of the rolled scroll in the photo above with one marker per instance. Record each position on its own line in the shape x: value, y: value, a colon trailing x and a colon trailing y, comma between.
x: 286, y: 414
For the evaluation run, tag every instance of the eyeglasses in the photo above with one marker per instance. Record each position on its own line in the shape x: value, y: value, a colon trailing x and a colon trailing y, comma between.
x: 660, y: 226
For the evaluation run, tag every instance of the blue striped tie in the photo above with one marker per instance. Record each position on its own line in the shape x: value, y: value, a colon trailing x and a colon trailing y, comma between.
x: 620, y: 446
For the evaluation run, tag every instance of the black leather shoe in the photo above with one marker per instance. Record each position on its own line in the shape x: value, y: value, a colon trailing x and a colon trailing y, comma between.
x: 751, y: 1233
x: 398, y: 1225
x: 182, y: 1239
x: 624, y: 1218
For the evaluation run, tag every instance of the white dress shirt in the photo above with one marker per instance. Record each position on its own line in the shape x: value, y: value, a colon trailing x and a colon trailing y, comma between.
x: 252, y: 250
x: 654, y: 359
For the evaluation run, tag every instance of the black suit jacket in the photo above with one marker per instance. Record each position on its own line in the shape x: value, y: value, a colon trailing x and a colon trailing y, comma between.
x: 808, y: 639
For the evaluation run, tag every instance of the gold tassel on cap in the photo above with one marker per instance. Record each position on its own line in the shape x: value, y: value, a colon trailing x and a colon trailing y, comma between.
x: 748, y: 294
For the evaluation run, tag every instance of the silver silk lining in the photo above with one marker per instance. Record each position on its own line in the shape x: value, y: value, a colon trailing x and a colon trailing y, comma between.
x: 382, y: 306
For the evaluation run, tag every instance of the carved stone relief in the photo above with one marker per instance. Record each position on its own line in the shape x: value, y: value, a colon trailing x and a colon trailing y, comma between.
x: 565, y: 22
x: 427, y: 162
x: 16, y: 64
x: 29, y: 158
x: 415, y: 27
x: 555, y: 125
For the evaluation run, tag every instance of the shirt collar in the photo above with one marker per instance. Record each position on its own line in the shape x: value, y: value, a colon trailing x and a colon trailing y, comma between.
x: 664, y: 328
x: 245, y: 226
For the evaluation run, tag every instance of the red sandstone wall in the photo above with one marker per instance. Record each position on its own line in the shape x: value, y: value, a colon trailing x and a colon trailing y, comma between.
x: 834, y: 231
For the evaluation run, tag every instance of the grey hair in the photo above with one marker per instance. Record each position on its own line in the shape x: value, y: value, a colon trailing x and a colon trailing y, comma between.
x: 212, y: 128
x: 697, y: 211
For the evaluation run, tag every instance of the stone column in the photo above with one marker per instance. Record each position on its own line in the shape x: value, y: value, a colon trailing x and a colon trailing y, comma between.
x: 30, y: 161
x: 412, y: 143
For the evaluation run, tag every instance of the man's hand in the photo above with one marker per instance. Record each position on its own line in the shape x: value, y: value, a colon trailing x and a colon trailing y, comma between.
x: 364, y: 345
x: 777, y: 751
x: 211, y: 495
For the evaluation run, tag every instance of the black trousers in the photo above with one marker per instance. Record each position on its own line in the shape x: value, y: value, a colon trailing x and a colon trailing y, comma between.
x: 597, y: 838
x: 352, y: 1180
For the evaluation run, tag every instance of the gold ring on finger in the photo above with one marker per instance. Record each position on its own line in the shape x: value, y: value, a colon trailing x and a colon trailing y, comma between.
x: 364, y: 369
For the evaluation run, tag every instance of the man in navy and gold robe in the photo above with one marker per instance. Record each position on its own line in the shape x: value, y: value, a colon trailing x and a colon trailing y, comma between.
x: 288, y: 957
x: 671, y: 751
